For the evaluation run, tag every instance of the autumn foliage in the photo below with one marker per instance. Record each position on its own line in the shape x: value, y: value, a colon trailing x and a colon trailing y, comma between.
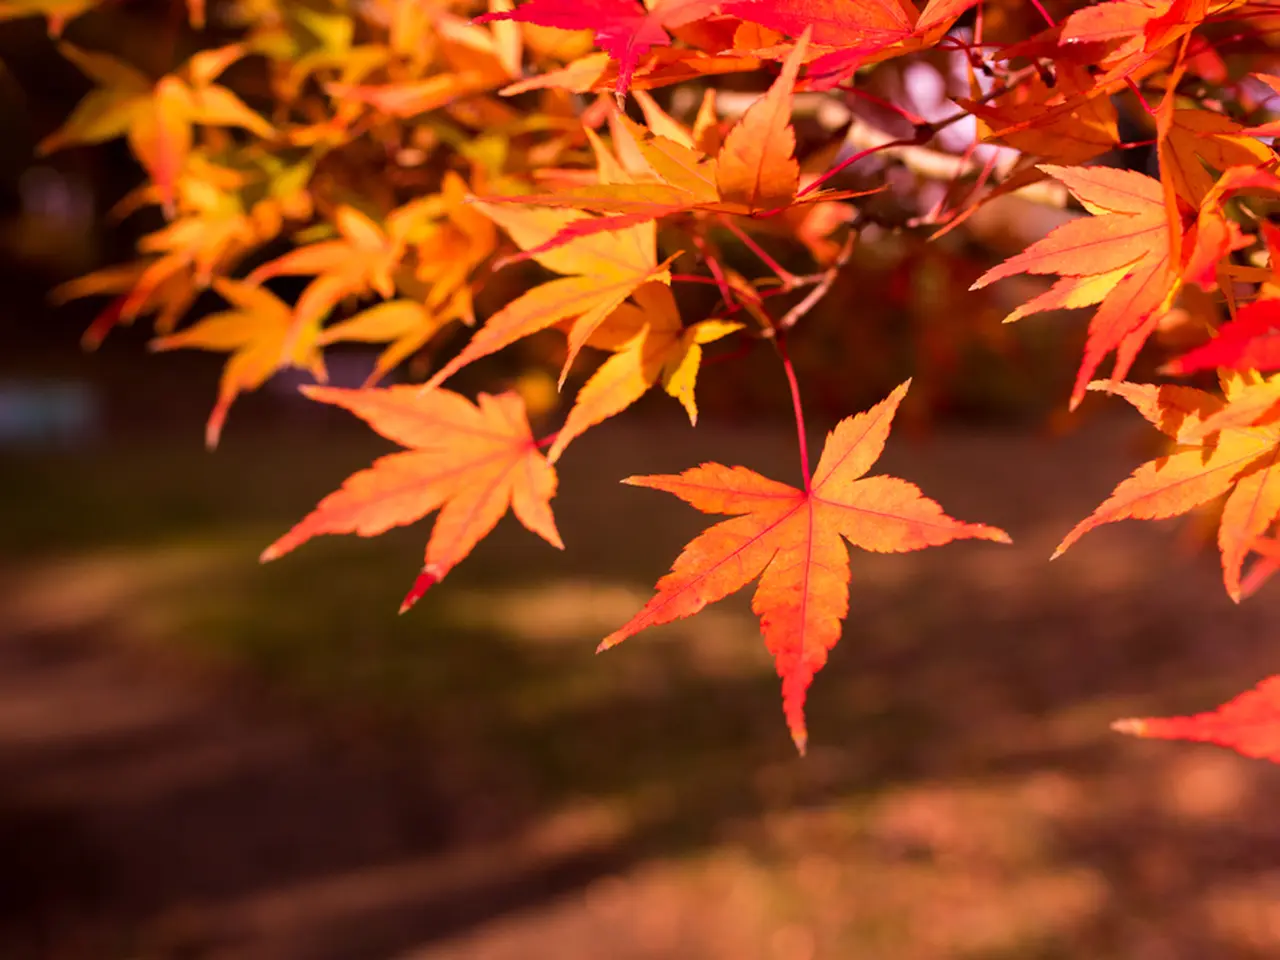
x: 446, y: 180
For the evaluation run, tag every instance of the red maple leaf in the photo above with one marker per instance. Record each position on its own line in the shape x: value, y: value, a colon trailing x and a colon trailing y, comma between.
x: 624, y: 29
x: 1249, y: 342
x: 1248, y: 724
x: 850, y: 35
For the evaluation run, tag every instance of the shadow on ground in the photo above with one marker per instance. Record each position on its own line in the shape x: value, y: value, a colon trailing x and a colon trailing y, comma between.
x: 202, y: 758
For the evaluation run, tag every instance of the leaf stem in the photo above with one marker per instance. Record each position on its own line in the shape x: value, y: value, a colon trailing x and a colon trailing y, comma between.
x: 788, y: 279
x: 912, y: 118
x: 840, y: 167
x: 1133, y: 87
x: 693, y: 278
x: 713, y: 264
x: 1044, y: 13
x: 780, y: 339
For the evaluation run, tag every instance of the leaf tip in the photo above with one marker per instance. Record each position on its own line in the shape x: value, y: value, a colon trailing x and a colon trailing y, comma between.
x: 800, y: 738
x: 425, y: 580
x: 1131, y: 726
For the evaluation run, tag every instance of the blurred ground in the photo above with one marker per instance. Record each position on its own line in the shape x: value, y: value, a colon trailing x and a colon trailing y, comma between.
x: 204, y: 758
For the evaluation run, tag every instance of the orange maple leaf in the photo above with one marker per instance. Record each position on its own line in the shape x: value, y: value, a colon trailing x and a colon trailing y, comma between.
x: 1248, y: 724
x: 1120, y: 258
x: 1136, y: 32
x: 405, y: 325
x: 1221, y: 446
x: 476, y: 60
x: 168, y: 296
x: 156, y: 116
x: 261, y: 334
x: 469, y: 461
x: 1192, y: 139
x: 754, y: 170
x: 364, y: 257
x: 791, y: 540
x: 1019, y: 117
x: 602, y: 269
x: 649, y: 344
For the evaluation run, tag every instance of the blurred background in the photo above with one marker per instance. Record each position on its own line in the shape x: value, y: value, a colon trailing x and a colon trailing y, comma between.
x: 205, y: 758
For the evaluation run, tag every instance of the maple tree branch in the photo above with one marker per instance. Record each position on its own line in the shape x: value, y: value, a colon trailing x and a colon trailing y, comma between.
x: 821, y: 288
x: 924, y: 132
x: 912, y: 118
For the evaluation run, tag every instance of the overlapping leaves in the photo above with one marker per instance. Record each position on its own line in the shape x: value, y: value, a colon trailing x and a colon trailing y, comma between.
x: 366, y: 133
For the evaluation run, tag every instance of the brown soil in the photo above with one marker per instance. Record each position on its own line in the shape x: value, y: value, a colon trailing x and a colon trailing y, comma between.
x: 963, y: 798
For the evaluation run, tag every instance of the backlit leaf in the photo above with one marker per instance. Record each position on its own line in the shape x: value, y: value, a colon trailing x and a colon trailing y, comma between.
x: 792, y: 540
x: 472, y: 462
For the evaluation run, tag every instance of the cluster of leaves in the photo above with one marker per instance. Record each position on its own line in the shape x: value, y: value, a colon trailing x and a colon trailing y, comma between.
x: 397, y: 154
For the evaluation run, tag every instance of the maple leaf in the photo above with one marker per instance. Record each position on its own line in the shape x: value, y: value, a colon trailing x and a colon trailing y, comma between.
x: 602, y: 270
x: 405, y: 325
x: 1018, y: 117
x: 448, y: 250
x: 156, y: 117
x: 754, y: 171
x: 218, y: 223
x: 1248, y: 724
x: 1120, y: 259
x: 649, y: 344
x: 1134, y: 35
x: 1194, y: 139
x: 791, y: 540
x: 364, y: 257
x: 1217, y: 452
x: 624, y: 29
x: 261, y: 333
x: 1249, y: 342
x: 169, y: 297
x: 478, y: 60
x: 848, y: 36
x: 472, y: 462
